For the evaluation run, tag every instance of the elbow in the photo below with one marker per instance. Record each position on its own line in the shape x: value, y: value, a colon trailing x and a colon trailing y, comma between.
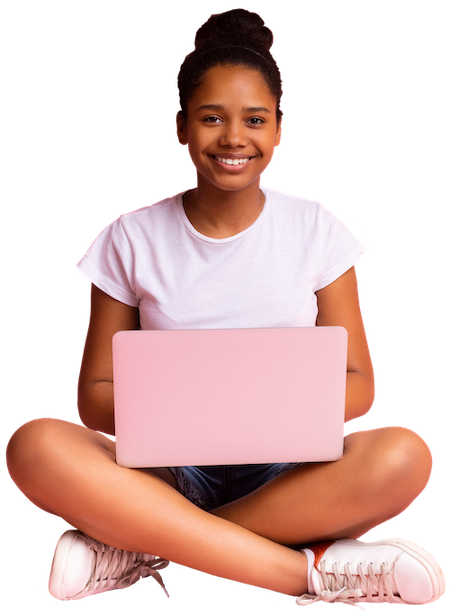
x: 357, y: 411
x: 85, y: 417
x: 370, y: 393
x: 360, y: 395
x: 95, y: 407
x: 85, y: 414
x: 96, y: 421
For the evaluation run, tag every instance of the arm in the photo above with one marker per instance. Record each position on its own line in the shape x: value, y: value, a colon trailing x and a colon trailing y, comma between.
x: 95, y: 384
x: 339, y: 305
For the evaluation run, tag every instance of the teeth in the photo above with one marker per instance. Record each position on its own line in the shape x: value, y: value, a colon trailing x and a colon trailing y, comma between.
x: 232, y: 161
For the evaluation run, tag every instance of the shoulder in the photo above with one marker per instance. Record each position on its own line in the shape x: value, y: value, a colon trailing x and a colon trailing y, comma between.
x: 142, y: 224
x: 289, y: 201
x: 159, y: 210
x: 309, y: 210
x: 310, y: 214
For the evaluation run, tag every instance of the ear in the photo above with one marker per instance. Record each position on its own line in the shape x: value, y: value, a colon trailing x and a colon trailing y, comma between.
x: 278, y: 135
x: 181, y: 128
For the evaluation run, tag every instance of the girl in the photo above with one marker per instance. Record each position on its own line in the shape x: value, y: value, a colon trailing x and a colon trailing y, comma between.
x: 227, y: 254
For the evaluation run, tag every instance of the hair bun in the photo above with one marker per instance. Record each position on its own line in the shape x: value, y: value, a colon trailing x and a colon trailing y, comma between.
x: 237, y: 28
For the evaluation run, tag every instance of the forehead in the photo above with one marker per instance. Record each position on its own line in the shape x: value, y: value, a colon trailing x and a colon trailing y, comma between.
x: 237, y: 85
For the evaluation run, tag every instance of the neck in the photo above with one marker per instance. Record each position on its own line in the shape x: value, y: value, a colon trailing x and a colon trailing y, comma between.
x: 222, y: 213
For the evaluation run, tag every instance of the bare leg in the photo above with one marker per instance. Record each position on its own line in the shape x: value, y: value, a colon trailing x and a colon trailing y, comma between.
x: 71, y: 471
x: 381, y: 473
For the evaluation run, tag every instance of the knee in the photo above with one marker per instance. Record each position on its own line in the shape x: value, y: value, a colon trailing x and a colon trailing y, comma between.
x: 400, y: 458
x: 394, y: 454
x: 409, y: 456
x: 27, y: 448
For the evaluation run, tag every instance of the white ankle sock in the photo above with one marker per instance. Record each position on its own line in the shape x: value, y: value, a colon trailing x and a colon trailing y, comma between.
x: 310, y: 557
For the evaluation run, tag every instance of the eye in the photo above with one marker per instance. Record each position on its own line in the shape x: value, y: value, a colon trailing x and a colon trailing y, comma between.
x: 255, y: 121
x: 212, y: 119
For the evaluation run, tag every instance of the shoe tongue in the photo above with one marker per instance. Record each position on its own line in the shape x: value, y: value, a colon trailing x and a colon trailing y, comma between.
x: 319, y: 549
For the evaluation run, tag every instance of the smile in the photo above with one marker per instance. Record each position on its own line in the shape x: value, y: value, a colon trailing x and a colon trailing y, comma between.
x: 232, y: 161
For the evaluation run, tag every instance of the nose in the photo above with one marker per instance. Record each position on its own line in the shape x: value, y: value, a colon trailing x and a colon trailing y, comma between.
x: 233, y: 134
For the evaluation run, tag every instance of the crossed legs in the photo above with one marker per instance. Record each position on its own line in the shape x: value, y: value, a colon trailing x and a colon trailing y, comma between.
x: 380, y: 474
x: 70, y: 471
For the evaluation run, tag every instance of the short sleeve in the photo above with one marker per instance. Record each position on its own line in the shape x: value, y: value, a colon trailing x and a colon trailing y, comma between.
x: 109, y: 264
x: 340, y: 249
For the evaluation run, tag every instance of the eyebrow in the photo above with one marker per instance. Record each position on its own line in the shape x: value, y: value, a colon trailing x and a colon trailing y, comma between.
x: 246, y: 109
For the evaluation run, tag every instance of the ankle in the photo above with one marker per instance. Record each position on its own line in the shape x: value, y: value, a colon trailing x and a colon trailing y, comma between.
x: 310, y: 565
x: 295, y: 579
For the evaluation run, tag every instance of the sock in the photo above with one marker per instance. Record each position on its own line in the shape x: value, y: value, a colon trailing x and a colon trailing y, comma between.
x: 310, y: 557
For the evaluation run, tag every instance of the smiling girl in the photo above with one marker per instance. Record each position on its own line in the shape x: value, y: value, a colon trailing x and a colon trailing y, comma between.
x: 227, y: 254
x: 231, y: 127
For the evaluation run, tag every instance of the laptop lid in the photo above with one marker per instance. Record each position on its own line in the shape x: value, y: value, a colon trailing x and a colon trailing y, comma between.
x: 229, y: 396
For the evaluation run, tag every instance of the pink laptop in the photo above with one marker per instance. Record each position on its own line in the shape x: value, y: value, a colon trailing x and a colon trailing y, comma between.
x: 229, y: 396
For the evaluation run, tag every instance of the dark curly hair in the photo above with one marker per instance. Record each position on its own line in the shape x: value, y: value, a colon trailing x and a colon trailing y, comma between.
x: 237, y: 38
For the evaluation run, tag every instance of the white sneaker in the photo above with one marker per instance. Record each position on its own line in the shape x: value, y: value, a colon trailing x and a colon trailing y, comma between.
x: 83, y: 566
x: 387, y: 571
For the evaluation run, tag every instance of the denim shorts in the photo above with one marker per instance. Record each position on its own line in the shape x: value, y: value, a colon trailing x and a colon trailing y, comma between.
x: 211, y: 486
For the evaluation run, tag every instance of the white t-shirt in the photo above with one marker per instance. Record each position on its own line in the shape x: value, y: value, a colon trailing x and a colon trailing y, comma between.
x: 265, y: 276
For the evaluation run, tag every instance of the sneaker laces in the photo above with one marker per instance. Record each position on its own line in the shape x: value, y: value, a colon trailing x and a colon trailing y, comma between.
x: 348, y: 588
x: 122, y: 567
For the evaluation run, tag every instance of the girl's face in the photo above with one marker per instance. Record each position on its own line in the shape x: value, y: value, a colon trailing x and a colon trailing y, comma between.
x: 231, y: 127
